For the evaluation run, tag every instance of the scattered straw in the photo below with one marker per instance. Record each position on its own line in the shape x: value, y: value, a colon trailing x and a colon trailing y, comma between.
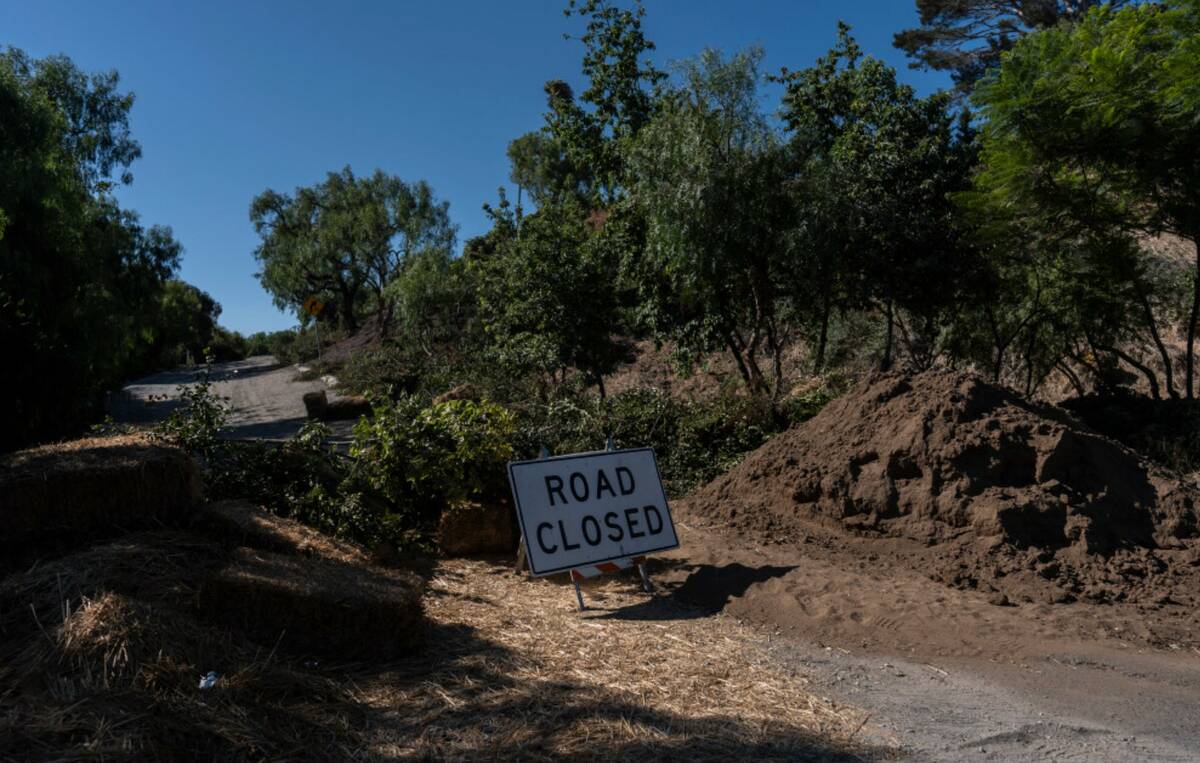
x: 515, y: 671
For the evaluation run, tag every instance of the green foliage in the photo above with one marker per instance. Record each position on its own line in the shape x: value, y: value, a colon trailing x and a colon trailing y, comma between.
x: 1091, y: 140
x: 195, y: 425
x: 345, y: 240
x: 693, y: 440
x: 877, y: 166
x: 548, y: 300
x: 710, y: 186
x: 424, y: 458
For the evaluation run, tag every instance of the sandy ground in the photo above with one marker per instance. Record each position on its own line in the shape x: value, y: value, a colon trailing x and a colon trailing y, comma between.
x: 944, y: 674
x: 264, y: 397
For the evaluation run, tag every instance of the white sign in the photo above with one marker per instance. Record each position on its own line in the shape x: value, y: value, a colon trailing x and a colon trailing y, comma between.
x: 589, y: 508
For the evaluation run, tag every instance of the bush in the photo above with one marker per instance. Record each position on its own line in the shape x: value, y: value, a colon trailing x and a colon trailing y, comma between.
x: 424, y: 458
x: 693, y: 441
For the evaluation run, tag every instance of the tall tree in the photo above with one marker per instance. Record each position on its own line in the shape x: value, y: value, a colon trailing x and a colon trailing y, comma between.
x: 345, y: 239
x: 708, y: 184
x: 1091, y: 132
x: 891, y: 161
x: 79, y: 276
x: 967, y: 37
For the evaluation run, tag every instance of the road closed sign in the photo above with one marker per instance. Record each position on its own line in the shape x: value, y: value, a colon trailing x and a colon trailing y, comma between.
x: 589, y: 508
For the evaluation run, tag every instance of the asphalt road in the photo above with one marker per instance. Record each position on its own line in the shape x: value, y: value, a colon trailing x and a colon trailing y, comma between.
x: 264, y: 397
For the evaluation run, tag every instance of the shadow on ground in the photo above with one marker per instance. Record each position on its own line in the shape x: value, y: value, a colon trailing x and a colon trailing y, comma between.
x: 488, y: 707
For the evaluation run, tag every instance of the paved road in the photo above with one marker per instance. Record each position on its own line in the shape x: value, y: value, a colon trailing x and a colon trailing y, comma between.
x: 264, y: 397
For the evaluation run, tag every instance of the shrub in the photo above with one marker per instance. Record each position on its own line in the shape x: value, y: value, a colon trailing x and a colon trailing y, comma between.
x: 423, y: 458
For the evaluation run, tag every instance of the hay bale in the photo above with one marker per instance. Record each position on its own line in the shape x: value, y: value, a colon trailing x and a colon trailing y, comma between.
x: 316, y: 606
x: 315, y: 404
x: 245, y: 524
x: 76, y: 489
x: 470, y: 528
x: 348, y: 407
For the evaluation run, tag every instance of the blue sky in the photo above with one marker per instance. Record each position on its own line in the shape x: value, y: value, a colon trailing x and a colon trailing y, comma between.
x: 237, y: 97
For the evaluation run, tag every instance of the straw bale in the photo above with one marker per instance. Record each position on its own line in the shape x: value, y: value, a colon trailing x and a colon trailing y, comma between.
x: 348, y: 407
x: 315, y: 404
x: 319, y: 606
x: 75, y: 489
x: 470, y: 528
x: 245, y: 524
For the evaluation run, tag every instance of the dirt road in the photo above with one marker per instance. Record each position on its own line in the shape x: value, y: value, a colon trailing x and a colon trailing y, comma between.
x: 944, y: 674
x: 264, y: 398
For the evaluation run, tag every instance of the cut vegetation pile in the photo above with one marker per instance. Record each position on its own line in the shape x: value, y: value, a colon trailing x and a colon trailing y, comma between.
x: 978, y: 487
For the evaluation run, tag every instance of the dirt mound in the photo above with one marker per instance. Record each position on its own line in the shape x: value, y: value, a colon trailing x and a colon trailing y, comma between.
x: 980, y: 487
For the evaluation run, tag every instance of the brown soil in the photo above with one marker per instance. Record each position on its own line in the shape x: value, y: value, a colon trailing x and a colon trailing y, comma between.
x: 942, y: 477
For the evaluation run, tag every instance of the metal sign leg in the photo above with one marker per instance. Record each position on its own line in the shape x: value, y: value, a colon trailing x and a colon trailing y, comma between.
x: 646, y: 586
x: 578, y: 593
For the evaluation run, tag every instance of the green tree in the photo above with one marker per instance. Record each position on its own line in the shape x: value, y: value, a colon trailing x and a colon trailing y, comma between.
x: 708, y: 182
x: 1091, y: 133
x: 80, y: 277
x: 875, y: 169
x: 968, y: 37
x: 546, y: 298
x: 345, y: 240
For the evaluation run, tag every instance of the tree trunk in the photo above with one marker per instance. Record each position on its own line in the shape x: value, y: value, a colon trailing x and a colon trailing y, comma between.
x: 1191, y: 333
x: 737, y: 356
x: 886, y: 363
x: 1168, y: 369
x: 823, y: 338
x: 600, y: 385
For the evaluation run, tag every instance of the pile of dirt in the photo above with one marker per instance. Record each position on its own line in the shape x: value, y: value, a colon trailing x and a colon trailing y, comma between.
x: 977, y: 487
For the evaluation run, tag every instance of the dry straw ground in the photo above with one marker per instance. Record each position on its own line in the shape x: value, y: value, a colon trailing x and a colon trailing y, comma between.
x: 101, y: 652
x: 514, y: 671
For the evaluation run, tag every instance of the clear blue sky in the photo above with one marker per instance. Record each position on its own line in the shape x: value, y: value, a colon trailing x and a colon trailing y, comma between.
x: 237, y: 97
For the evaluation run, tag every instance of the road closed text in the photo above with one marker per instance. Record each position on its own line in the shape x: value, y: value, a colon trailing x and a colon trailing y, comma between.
x: 589, y: 508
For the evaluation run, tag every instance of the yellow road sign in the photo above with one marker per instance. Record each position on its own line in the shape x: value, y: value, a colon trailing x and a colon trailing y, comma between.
x: 313, y: 306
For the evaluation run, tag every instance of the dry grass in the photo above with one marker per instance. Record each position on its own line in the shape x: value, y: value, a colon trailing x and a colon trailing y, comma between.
x: 515, y: 672
x: 101, y: 652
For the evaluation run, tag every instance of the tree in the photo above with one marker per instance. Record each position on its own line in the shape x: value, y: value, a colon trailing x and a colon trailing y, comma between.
x: 875, y: 167
x: 546, y: 299
x: 707, y: 181
x: 617, y: 103
x: 967, y: 37
x: 185, y: 324
x: 79, y: 276
x: 1091, y: 132
x: 345, y: 240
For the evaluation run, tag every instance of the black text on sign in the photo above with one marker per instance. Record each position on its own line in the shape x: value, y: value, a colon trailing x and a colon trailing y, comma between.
x: 589, y: 508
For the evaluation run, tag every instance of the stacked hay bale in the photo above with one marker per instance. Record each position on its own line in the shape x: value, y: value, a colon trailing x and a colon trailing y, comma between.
x: 71, y: 491
x: 101, y: 648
